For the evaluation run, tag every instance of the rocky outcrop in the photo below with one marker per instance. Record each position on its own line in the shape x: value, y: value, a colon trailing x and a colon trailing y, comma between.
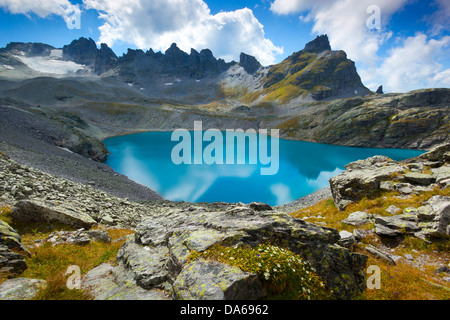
x: 10, y: 238
x: 11, y: 263
x: 414, y: 120
x: 84, y: 51
x: 158, y: 253
x: 430, y: 221
x: 379, y: 90
x: 12, y: 251
x: 316, y: 70
x: 319, y: 44
x: 156, y: 258
x: 136, y: 65
x: 29, y: 49
x: 365, y: 178
x: 21, y: 288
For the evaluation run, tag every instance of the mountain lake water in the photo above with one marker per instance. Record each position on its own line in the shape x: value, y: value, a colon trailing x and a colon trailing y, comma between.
x: 304, y: 167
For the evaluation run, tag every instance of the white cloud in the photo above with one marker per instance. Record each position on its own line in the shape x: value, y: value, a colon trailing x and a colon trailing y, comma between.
x: 42, y: 8
x: 414, y: 64
x: 345, y: 23
x: 440, y: 18
x: 411, y: 63
x: 157, y: 24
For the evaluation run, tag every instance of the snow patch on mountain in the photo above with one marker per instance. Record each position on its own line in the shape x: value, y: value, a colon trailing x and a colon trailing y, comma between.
x: 52, y: 64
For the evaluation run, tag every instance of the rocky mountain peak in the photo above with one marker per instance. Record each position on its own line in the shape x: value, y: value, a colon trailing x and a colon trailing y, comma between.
x: 85, y: 51
x: 174, y: 51
x: 29, y: 49
x: 249, y: 63
x: 319, y: 44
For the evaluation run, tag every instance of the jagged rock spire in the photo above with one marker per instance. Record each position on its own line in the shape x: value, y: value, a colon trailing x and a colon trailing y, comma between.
x: 319, y: 44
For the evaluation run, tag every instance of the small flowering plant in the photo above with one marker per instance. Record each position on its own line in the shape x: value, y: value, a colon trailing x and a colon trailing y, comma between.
x: 286, y: 274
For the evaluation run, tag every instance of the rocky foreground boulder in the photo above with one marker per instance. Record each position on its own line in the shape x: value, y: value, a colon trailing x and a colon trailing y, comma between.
x: 157, y: 256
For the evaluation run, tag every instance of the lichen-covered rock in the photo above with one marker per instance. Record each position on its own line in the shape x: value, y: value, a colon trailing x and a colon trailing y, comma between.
x: 20, y: 288
x: 147, y: 263
x: 10, y: 238
x: 106, y: 282
x: 211, y: 280
x: 420, y: 178
x: 357, y: 218
x: 429, y: 221
x: 11, y: 263
x: 160, y: 249
x: 78, y: 237
x: 362, y: 178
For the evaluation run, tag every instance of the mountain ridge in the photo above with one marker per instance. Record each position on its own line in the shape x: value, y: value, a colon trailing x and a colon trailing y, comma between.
x: 153, y: 72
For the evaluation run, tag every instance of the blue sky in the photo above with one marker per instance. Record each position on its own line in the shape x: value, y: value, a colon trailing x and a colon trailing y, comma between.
x: 406, y: 46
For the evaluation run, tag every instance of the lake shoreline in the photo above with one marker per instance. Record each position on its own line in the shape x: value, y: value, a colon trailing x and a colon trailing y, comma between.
x: 303, y: 167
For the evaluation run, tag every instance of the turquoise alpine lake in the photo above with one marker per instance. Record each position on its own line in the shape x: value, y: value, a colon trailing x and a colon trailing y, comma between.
x: 303, y: 168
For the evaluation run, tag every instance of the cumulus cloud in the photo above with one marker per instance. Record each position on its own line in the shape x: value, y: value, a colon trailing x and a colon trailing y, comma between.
x: 345, y: 22
x: 157, y: 24
x: 415, y: 64
x: 42, y: 8
x: 410, y: 64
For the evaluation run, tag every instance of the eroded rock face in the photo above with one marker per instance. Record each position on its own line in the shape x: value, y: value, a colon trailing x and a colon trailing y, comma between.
x: 158, y: 253
x: 362, y: 178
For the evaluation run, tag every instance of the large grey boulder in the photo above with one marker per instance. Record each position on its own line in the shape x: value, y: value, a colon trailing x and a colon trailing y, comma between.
x: 434, y: 217
x: 46, y: 211
x: 211, y: 280
x: 159, y: 252
x: 357, y: 218
x: 12, y: 251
